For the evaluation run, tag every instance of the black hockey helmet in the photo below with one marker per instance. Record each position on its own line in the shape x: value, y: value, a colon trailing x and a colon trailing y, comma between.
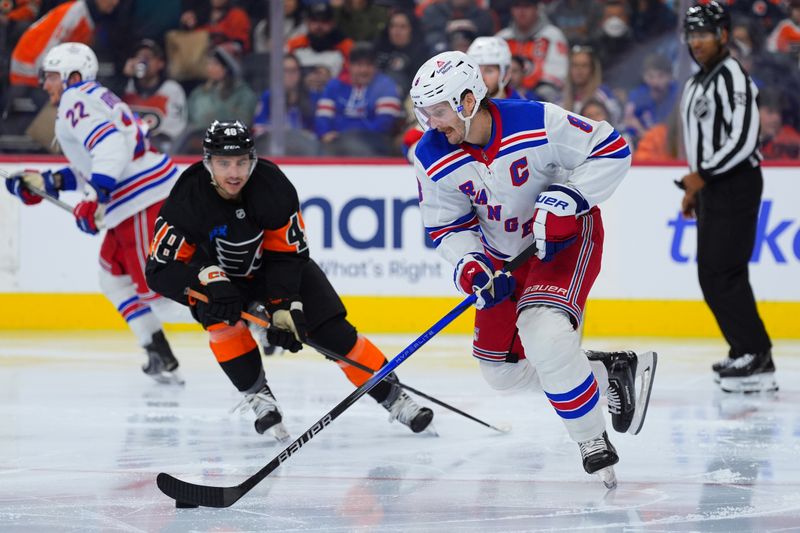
x: 228, y: 138
x: 709, y: 16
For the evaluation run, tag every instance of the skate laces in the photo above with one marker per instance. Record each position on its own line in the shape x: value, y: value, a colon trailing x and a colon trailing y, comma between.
x: 614, y: 399
x: 403, y: 409
x: 592, y: 446
x: 743, y: 361
x: 260, y: 402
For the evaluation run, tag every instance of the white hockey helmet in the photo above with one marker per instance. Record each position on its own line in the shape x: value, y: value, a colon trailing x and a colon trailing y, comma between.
x: 492, y: 51
x: 444, y: 78
x: 67, y: 58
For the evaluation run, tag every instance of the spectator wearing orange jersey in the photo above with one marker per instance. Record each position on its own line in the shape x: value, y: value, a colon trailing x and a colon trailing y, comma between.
x: 785, y: 38
x: 15, y: 17
x: 662, y: 142
x: 778, y: 139
x: 224, y: 23
x: 323, y: 44
x: 19, y: 10
x: 532, y: 36
x: 68, y: 22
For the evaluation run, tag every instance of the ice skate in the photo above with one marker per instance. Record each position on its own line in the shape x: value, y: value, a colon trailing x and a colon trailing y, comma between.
x: 749, y: 373
x: 719, y: 365
x: 268, y: 413
x: 161, y: 363
x: 627, y: 405
x: 405, y: 410
x: 599, y: 457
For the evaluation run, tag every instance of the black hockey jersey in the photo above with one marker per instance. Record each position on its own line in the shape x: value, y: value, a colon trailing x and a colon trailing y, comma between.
x: 258, y: 240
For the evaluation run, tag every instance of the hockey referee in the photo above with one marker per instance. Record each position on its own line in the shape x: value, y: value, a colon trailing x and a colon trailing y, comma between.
x: 723, y: 190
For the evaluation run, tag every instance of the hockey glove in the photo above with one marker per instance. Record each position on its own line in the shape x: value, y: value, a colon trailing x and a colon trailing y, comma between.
x: 474, y: 273
x: 87, y: 216
x: 555, y: 222
x: 18, y: 185
x: 224, y: 302
x: 289, y: 329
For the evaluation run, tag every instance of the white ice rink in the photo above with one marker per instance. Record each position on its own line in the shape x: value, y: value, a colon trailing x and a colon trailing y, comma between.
x: 83, y: 434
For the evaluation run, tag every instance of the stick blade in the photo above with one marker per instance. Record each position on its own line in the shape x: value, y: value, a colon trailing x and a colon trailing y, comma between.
x: 190, y: 494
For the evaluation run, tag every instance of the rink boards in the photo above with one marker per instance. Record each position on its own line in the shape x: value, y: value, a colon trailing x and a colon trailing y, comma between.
x: 365, y: 231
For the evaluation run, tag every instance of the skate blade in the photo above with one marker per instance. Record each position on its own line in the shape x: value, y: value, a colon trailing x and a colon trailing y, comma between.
x: 168, y: 378
x: 608, y: 477
x: 645, y: 371
x: 430, y: 431
x: 750, y: 384
x: 280, y: 433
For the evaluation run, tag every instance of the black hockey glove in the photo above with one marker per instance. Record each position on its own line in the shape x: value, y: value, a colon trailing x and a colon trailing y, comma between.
x: 288, y: 329
x: 224, y: 302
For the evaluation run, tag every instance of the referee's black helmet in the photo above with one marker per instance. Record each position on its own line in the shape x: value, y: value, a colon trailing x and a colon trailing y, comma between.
x: 709, y: 16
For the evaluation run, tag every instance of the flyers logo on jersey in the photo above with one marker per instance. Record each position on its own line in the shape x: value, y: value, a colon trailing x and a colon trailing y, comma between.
x: 239, y: 259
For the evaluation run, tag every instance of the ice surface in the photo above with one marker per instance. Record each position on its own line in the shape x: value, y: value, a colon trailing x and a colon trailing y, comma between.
x: 83, y: 433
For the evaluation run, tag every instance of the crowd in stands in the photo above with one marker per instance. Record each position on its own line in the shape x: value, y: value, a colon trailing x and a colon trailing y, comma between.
x: 348, y: 65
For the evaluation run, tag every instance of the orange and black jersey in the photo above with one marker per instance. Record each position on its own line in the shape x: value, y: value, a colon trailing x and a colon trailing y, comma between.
x: 259, y: 240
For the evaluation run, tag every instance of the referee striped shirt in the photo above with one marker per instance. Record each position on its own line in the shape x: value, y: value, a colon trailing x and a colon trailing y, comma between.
x: 720, y: 119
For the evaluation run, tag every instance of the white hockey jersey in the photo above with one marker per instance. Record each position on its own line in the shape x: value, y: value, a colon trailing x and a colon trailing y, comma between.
x: 481, y: 199
x: 101, y: 138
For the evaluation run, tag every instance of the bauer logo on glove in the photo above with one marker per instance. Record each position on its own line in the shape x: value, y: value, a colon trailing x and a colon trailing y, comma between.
x: 555, y: 219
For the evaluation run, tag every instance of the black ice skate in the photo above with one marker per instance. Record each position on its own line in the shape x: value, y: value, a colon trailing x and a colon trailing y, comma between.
x: 719, y: 365
x: 268, y: 414
x: 749, y: 373
x: 161, y: 363
x: 599, y: 457
x: 627, y: 405
x: 405, y: 410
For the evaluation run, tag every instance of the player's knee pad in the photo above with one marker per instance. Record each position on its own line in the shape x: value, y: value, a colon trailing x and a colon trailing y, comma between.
x: 237, y: 353
x: 510, y: 377
x: 548, y: 337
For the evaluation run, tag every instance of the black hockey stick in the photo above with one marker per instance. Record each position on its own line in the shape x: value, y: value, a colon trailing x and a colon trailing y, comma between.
x: 263, y: 322
x: 194, y: 495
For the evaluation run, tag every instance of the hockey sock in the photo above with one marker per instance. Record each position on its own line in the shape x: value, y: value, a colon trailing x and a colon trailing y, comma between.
x: 340, y: 337
x: 369, y: 355
x: 237, y: 354
x: 553, y: 346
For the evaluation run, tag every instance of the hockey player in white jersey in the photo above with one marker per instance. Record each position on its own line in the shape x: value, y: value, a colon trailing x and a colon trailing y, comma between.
x: 124, y: 184
x: 495, y: 177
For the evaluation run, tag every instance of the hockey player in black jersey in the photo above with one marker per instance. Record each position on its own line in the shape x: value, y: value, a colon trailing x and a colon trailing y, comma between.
x: 231, y: 228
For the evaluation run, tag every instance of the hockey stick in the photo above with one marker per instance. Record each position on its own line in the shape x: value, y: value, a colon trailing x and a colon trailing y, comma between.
x: 327, y: 353
x: 261, y: 321
x: 194, y: 495
x: 58, y: 203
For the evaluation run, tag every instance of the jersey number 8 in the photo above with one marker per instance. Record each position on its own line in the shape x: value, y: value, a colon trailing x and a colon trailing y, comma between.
x: 580, y: 124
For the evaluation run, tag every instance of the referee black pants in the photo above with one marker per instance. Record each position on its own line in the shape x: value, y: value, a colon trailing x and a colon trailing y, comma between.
x: 727, y: 215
